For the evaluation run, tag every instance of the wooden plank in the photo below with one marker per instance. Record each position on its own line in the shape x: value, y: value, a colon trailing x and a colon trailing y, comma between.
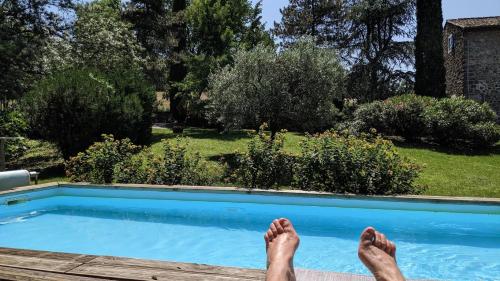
x: 47, y: 255
x: 138, y: 273
x: 18, y: 274
x: 175, y: 266
x: 37, y: 263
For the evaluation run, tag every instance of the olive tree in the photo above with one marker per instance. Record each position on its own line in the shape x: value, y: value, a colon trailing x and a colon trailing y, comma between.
x: 296, y: 88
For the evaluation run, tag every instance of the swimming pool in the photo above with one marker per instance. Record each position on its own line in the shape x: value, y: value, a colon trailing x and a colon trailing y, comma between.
x: 437, y: 241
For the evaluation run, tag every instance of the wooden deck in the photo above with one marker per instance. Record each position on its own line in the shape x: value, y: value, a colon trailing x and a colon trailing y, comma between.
x: 27, y: 265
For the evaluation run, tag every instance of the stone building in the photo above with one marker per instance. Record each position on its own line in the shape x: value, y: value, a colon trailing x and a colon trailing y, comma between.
x: 472, y: 59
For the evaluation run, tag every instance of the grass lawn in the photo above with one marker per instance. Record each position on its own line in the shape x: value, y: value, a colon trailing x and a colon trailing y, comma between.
x: 443, y: 172
x: 454, y: 174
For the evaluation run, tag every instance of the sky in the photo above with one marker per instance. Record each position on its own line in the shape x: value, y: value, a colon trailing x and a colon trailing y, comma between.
x: 452, y: 9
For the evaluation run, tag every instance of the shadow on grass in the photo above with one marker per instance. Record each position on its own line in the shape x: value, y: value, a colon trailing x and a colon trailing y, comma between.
x: 494, y: 150
x: 197, y: 133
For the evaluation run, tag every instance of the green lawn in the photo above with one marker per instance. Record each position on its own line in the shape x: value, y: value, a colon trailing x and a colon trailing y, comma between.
x: 457, y: 174
x: 443, y: 172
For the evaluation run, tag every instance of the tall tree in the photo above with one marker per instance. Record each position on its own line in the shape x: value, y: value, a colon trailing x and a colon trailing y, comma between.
x: 375, y: 45
x: 316, y: 18
x: 25, y: 27
x: 152, y: 22
x: 367, y: 33
x: 217, y: 28
x: 429, y: 60
x: 103, y: 40
x: 178, y: 69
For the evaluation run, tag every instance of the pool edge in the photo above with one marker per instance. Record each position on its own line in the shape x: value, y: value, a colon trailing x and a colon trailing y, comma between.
x: 217, y: 189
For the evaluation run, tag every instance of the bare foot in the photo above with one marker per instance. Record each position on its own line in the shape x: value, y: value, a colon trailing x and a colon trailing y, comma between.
x: 379, y: 255
x: 281, y: 243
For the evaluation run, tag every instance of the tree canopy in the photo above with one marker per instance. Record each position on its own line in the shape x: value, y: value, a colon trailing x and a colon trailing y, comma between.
x: 368, y: 35
x: 25, y: 26
x: 297, y: 88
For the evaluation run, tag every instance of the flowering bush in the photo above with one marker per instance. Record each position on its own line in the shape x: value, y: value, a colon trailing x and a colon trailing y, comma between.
x: 460, y: 121
x: 172, y: 167
x: 396, y: 116
x: 97, y: 163
x: 347, y: 164
x: 265, y: 165
x: 448, y: 121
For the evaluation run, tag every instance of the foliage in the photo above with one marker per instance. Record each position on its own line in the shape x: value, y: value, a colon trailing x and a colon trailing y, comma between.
x: 13, y: 124
x: 178, y: 67
x: 152, y: 22
x: 399, y: 116
x: 367, y: 34
x: 103, y: 40
x: 429, y: 60
x: 346, y: 164
x: 296, y: 89
x: 448, y: 121
x: 460, y: 121
x: 40, y: 156
x: 217, y: 28
x: 97, y: 163
x: 372, y: 29
x: 25, y: 26
x: 173, y: 167
x: 73, y: 108
x: 315, y: 18
x: 265, y: 165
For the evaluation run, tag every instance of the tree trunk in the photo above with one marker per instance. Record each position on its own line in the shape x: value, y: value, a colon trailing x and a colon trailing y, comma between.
x: 429, y: 60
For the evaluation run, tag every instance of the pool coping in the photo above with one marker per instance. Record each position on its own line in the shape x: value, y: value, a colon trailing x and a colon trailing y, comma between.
x: 300, y: 193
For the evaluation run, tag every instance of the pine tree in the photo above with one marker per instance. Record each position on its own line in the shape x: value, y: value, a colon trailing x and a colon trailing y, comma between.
x: 151, y: 20
x: 178, y: 69
x: 316, y: 18
x: 429, y: 60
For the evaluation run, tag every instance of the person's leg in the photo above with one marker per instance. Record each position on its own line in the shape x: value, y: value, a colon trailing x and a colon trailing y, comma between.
x: 379, y: 255
x: 281, y: 243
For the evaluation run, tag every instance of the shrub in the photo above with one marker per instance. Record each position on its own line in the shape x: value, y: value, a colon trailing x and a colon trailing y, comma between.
x: 346, y: 164
x: 397, y: 116
x: 460, y: 121
x: 405, y: 115
x: 97, y: 163
x: 370, y: 116
x: 13, y: 124
x: 72, y: 108
x: 265, y: 165
x: 173, y: 166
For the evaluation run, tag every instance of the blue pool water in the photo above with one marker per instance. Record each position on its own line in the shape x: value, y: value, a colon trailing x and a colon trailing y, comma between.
x: 435, y: 241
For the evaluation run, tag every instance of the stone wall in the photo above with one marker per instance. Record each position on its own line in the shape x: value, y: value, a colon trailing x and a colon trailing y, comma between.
x: 454, y: 61
x: 482, y: 66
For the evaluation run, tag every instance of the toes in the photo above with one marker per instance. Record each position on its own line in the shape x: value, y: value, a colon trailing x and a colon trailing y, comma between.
x: 380, y: 241
x: 278, y: 226
x: 274, y: 230
x: 270, y: 235
x: 266, y: 238
x: 286, y: 224
x: 392, y: 251
x: 368, y: 236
